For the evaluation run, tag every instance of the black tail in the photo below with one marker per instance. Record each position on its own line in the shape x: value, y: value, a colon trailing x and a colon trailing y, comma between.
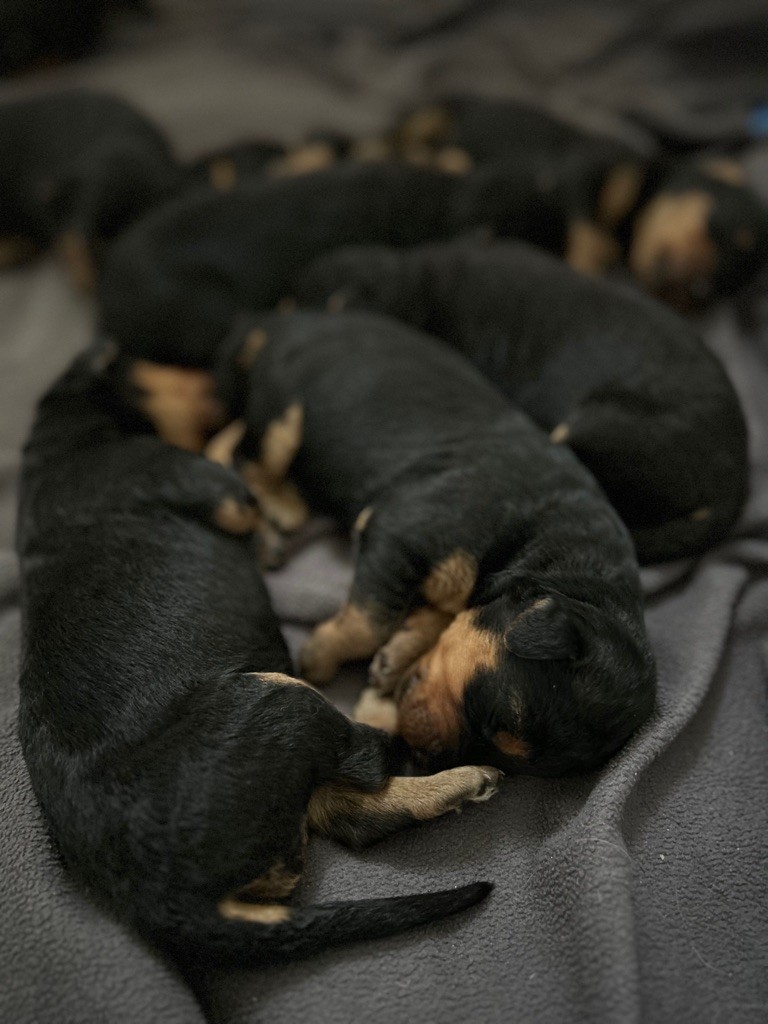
x: 211, y: 940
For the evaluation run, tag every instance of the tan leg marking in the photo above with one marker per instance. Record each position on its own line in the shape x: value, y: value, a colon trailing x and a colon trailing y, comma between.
x: 255, y: 340
x: 221, y: 447
x: 254, y: 913
x: 76, y: 253
x: 373, y: 708
x: 350, y: 635
x: 453, y: 160
x: 222, y: 173
x: 179, y: 402
x: 279, y: 498
x: 312, y: 156
x: 281, y: 442
x: 431, y: 710
x: 233, y: 516
x: 14, y: 250
x: 619, y: 193
x: 418, y: 634
x: 421, y: 798
x: 451, y: 582
x: 560, y: 434
x: 363, y: 519
x: 590, y: 249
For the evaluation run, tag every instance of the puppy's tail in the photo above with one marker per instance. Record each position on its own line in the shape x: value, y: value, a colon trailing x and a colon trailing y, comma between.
x: 239, y: 934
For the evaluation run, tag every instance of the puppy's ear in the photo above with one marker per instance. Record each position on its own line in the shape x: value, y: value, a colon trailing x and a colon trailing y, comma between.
x: 543, y: 631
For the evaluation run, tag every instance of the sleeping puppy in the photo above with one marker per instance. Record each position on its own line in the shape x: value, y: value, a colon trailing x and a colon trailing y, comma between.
x: 690, y: 229
x: 172, y: 283
x: 76, y: 167
x: 624, y: 382
x: 177, y: 761
x: 492, y: 577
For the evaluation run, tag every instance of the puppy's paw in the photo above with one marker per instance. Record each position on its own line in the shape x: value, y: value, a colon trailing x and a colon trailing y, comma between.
x: 376, y: 710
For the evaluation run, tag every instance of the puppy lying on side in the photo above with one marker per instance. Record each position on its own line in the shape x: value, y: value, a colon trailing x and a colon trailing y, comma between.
x: 172, y: 284
x: 76, y: 167
x: 623, y: 381
x: 690, y: 229
x: 494, y: 580
x: 177, y: 761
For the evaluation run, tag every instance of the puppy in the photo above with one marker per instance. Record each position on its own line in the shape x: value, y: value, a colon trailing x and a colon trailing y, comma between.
x: 76, y: 167
x: 624, y: 382
x: 172, y: 283
x: 177, y: 761
x: 689, y: 229
x: 494, y: 580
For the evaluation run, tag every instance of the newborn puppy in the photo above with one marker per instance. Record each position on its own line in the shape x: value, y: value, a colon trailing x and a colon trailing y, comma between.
x: 624, y: 382
x: 76, y: 167
x: 177, y: 761
x: 690, y: 229
x: 172, y: 284
x: 492, y: 577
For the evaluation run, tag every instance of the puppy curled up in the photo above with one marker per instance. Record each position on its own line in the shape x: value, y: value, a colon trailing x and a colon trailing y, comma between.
x: 178, y: 762
x: 495, y: 588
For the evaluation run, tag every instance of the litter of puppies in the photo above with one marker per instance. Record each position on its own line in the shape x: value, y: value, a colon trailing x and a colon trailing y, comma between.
x: 366, y: 329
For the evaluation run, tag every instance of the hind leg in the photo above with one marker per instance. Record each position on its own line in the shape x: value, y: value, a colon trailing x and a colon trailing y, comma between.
x: 358, y: 819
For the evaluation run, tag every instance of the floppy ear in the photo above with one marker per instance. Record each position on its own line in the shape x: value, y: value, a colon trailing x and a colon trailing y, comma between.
x: 543, y: 631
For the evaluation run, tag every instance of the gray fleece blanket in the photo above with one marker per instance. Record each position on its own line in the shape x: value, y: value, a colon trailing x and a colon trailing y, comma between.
x: 638, y: 893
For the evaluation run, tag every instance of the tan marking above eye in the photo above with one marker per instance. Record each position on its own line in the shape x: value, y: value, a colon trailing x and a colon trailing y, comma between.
x: 304, y: 159
x: 700, y: 515
x: 426, y: 125
x: 450, y: 582
x: 511, y: 745
x: 674, y: 226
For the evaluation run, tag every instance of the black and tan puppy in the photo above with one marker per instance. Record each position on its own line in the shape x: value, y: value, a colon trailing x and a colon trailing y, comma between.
x: 494, y: 580
x: 690, y: 229
x: 172, y: 283
x: 76, y: 167
x: 626, y: 383
x: 177, y: 761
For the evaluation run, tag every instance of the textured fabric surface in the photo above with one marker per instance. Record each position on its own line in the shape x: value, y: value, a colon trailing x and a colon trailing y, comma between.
x: 635, y: 894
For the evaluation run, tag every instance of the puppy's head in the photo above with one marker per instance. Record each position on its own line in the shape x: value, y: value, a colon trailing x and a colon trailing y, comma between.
x: 543, y: 686
x: 701, y: 237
